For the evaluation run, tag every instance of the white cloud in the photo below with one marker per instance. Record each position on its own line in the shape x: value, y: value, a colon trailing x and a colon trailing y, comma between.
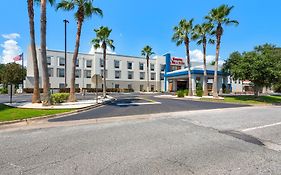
x: 100, y: 50
x: 197, y: 56
x: 10, y: 48
x: 11, y: 36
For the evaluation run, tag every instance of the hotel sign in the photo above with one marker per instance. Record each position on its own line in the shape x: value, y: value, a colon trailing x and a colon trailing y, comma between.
x: 177, y: 61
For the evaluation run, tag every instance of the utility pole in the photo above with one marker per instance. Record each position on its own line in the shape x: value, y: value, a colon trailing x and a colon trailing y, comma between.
x: 65, y: 51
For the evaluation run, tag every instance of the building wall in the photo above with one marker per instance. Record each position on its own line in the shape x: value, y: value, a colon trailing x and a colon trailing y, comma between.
x: 96, y: 68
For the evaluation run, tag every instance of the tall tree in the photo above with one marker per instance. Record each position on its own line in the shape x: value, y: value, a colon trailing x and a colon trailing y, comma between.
x: 181, y: 35
x: 45, y: 75
x: 203, y: 33
x: 147, y: 52
x: 85, y: 9
x: 102, y: 41
x: 219, y: 17
x: 260, y: 66
x: 36, y: 91
x: 12, y: 73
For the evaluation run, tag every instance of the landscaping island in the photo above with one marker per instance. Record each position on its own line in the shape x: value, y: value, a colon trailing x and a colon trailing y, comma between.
x: 8, y: 113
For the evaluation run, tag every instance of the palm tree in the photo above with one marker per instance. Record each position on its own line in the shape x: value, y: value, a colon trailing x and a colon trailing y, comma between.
x: 102, y: 41
x: 181, y: 35
x: 85, y: 9
x: 202, y: 33
x: 147, y: 52
x: 219, y: 17
x: 36, y: 91
x: 45, y: 75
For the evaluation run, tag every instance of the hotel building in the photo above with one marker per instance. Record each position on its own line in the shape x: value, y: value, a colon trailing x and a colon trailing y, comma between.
x: 125, y: 72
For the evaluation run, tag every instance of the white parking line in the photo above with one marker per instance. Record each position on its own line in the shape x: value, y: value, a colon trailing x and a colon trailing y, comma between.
x: 260, y: 127
x: 132, y: 104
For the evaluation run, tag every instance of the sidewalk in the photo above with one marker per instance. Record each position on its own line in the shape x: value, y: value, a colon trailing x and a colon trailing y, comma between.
x: 68, y: 105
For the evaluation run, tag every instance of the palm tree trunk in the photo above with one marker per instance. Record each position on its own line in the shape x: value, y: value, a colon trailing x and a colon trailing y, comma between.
x: 190, y: 92
x: 205, y: 93
x: 36, y: 92
x: 147, y: 71
x: 215, y: 83
x: 45, y: 76
x: 72, y: 97
x: 104, y: 72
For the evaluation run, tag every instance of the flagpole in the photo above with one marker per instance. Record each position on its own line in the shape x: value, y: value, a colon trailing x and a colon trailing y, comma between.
x: 22, y: 67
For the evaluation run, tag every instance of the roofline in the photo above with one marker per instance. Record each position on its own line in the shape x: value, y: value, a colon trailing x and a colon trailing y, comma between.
x: 80, y: 53
x: 181, y: 73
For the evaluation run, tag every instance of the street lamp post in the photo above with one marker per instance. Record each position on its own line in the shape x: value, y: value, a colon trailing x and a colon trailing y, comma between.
x: 65, y: 50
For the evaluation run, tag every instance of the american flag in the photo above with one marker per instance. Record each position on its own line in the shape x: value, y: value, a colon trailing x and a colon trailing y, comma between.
x: 18, y: 58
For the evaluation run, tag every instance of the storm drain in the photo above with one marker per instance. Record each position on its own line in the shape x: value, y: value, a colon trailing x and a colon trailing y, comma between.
x: 243, y: 136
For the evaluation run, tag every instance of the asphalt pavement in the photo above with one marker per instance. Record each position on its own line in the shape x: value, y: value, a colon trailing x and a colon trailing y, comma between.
x: 144, y: 104
x: 218, y: 141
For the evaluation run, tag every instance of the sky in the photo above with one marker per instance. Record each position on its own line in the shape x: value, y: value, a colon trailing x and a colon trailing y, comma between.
x: 136, y: 23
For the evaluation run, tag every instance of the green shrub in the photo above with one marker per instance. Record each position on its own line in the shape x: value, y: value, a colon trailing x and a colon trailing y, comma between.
x: 277, y: 87
x: 3, y: 91
x: 67, y: 90
x: 59, y: 98
x: 199, y: 90
x: 180, y: 93
x: 223, y: 88
x: 185, y: 92
x: 30, y: 90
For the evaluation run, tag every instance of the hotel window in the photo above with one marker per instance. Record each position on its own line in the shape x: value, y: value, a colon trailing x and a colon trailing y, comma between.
x: 117, y: 74
x: 87, y: 74
x: 152, y: 76
x: 142, y: 75
x: 129, y: 65
x: 152, y: 67
x: 130, y: 86
x: 117, y: 86
x: 50, y: 72
x: 77, y: 62
x: 161, y: 76
x: 76, y: 85
x: 61, y: 61
x: 116, y: 64
x: 77, y: 73
x: 141, y: 87
x: 61, y: 85
x: 152, y: 88
x: 101, y: 62
x: 101, y: 73
x: 88, y: 86
x: 60, y: 72
x: 130, y: 75
x: 141, y: 66
x: 49, y: 60
x: 162, y: 67
x: 88, y: 63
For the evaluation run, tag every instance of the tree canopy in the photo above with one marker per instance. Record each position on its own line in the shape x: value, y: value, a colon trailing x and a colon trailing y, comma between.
x: 262, y: 66
x: 12, y: 73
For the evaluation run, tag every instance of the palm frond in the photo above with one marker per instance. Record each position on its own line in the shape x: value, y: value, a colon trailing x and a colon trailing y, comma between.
x: 211, y: 41
x: 147, y: 51
x: 102, y: 36
x: 65, y: 5
x: 90, y: 10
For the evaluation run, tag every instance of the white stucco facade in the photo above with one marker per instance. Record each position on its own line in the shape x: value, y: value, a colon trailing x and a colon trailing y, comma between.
x: 125, y: 72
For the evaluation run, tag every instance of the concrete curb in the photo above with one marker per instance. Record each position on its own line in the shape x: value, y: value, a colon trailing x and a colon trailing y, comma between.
x: 220, y: 101
x: 58, y: 115
x: 107, y: 120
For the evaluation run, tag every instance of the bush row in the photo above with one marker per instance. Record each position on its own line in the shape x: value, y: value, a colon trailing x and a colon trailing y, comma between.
x: 77, y: 90
x: 59, y: 98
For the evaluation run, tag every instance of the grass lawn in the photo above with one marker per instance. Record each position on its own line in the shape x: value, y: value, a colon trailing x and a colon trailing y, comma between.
x: 249, y: 99
x: 8, y: 113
